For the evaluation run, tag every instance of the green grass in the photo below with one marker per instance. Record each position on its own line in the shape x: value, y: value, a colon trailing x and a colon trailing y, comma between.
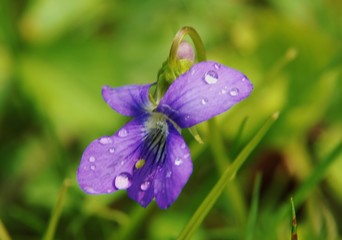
x: 56, y: 55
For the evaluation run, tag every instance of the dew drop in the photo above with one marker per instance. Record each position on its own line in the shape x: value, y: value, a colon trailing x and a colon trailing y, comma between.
x: 168, y: 174
x: 178, y: 161
x: 123, y: 133
x: 211, y: 77
x: 192, y: 72
x: 144, y: 186
x: 243, y: 79
x: 204, y: 101
x: 187, y: 117
x: 105, y: 140
x: 223, y: 91
x: 234, y: 92
x: 217, y: 66
x: 91, y: 159
x: 111, y: 150
x: 123, y: 181
x: 93, y: 167
x: 89, y: 189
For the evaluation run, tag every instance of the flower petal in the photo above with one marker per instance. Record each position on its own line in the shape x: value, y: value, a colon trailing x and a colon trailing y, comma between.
x: 203, y: 92
x: 129, y: 100
x: 173, y: 175
x: 162, y: 178
x: 108, y: 162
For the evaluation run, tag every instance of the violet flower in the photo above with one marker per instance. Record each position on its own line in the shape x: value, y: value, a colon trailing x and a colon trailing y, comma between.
x: 148, y: 156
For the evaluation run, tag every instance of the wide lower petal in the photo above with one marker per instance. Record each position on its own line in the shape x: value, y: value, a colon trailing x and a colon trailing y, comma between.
x: 131, y: 100
x: 107, y: 163
x: 203, y: 92
x: 162, y: 178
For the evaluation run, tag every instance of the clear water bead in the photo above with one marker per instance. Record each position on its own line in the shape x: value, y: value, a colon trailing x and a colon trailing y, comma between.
x: 123, y: 133
x: 111, y: 150
x: 89, y: 189
x: 91, y: 159
x: 144, y: 186
x: 178, y: 161
x: 211, y: 77
x: 234, y: 92
x: 123, y: 181
x: 105, y: 140
x: 217, y: 66
x: 204, y: 101
x: 93, y: 167
x: 168, y: 174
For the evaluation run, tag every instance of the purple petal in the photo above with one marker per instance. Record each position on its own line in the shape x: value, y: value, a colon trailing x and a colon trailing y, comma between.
x: 107, y: 163
x: 203, y: 92
x: 171, y: 178
x: 129, y: 100
x: 162, y: 178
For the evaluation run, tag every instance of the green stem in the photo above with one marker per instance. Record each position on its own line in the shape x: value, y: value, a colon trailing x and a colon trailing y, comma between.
x: 226, y: 177
x: 233, y: 193
x: 294, y: 235
x: 199, y: 46
x: 3, y: 232
x: 49, y: 235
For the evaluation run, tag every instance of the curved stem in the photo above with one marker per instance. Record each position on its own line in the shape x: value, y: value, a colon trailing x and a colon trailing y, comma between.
x: 199, y: 46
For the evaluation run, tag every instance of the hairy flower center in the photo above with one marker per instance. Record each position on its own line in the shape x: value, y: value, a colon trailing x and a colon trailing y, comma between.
x: 154, y: 147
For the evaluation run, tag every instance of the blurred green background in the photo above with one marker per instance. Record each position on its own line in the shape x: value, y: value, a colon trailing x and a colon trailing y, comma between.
x: 56, y: 55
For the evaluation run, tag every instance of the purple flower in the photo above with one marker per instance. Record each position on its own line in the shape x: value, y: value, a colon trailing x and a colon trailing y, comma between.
x: 148, y: 156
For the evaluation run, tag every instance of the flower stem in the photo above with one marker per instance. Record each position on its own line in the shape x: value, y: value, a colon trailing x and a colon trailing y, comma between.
x: 226, y: 177
x: 199, y: 46
x: 57, y: 211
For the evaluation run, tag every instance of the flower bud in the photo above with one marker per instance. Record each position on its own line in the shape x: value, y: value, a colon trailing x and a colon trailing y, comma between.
x: 185, y: 51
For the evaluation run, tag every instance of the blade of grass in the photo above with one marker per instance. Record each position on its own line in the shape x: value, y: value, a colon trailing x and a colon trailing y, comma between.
x: 253, y: 213
x: 294, y: 222
x: 311, y: 182
x: 222, y: 161
x: 3, y: 232
x: 50, y: 232
x: 227, y: 176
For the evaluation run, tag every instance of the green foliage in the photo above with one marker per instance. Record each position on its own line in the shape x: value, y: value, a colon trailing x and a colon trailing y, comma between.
x: 56, y: 55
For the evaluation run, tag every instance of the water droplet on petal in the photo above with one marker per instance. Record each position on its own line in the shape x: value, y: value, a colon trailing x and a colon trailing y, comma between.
x: 168, y: 174
x: 178, y: 161
x: 144, y: 186
x: 183, y: 146
x: 187, y: 117
x: 109, y: 190
x: 234, y: 92
x: 243, y: 79
x: 89, y: 189
x: 204, y: 101
x: 92, y: 159
x: 111, y: 150
x: 192, y: 71
x: 211, y: 77
x: 93, y: 167
x: 223, y: 91
x: 217, y: 66
x: 123, y: 133
x: 123, y: 181
x: 105, y: 140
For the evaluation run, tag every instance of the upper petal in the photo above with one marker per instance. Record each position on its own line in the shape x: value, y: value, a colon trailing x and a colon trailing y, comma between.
x: 107, y: 163
x: 204, y: 91
x: 129, y: 100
